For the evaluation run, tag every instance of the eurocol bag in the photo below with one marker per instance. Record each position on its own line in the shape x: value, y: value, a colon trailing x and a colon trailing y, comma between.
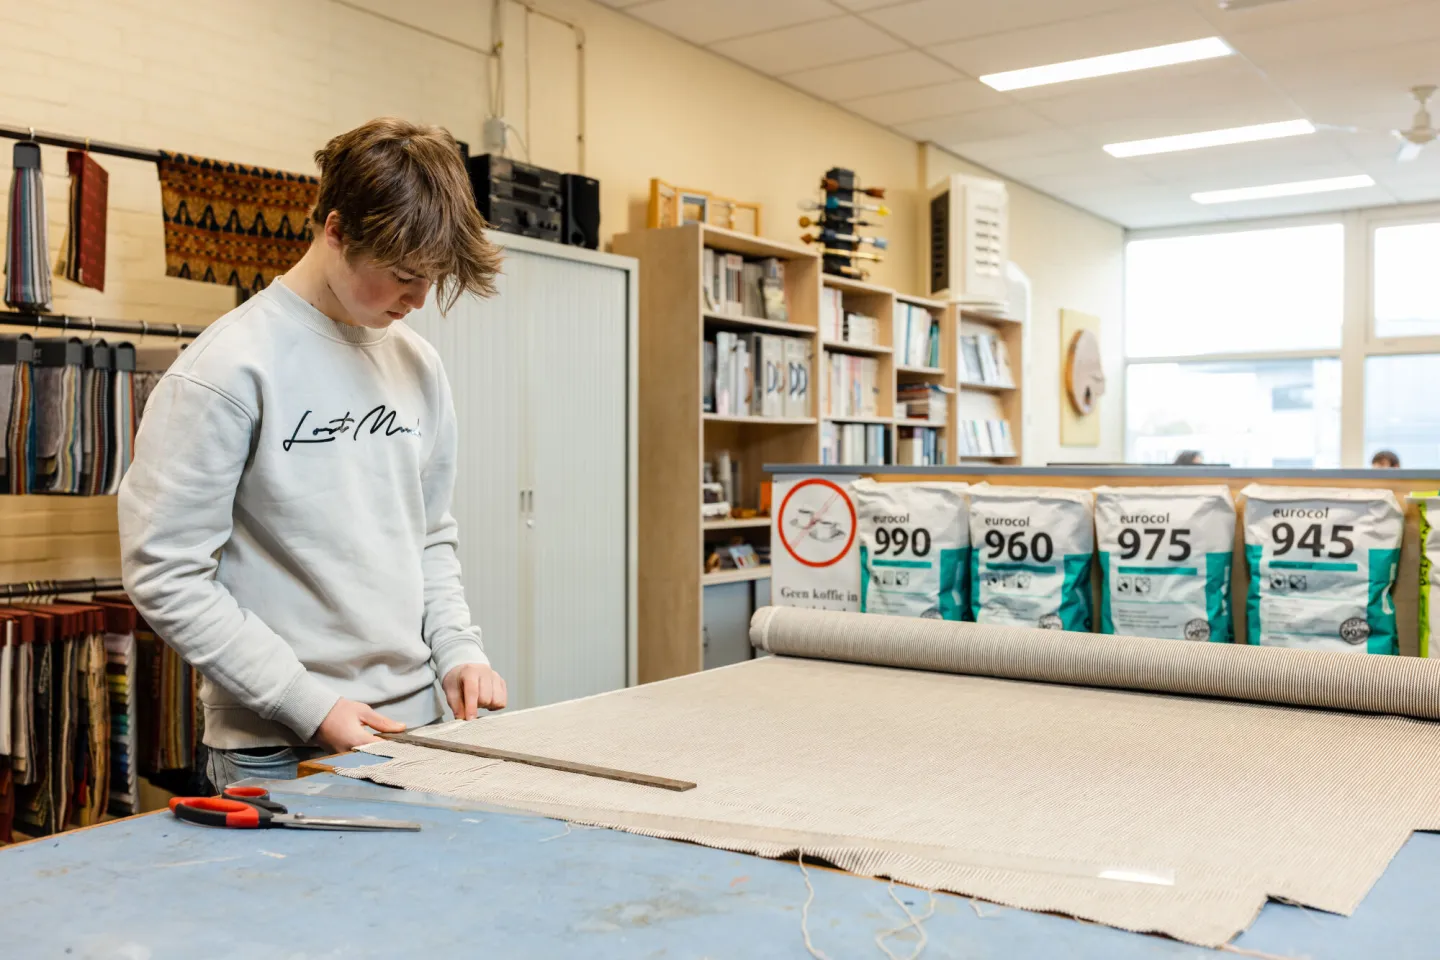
x: 1428, y: 504
x: 1165, y: 556
x: 1030, y: 556
x: 914, y: 548
x: 1322, y: 567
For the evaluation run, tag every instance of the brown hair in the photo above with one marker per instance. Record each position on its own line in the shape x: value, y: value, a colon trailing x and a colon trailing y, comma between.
x: 404, y: 200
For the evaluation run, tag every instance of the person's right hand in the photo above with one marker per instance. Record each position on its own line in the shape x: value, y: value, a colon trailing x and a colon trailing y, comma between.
x: 345, y: 726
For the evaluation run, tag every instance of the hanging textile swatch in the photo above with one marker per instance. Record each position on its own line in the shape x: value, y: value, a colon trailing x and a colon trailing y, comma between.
x: 59, y: 390
x: 27, y: 267
x: 17, y: 403
x: 121, y: 620
x: 82, y: 259
x: 232, y: 224
x: 122, y: 421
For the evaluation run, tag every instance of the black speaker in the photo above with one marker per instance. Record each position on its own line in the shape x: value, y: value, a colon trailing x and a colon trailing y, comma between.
x: 582, y: 210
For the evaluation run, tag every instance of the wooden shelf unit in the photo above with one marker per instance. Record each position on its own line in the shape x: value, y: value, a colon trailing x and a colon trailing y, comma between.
x: 737, y: 576
x: 677, y: 437
x: 983, y: 401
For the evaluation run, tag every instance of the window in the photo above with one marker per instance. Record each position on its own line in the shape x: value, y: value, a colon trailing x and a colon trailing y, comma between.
x: 1401, y: 414
x: 1236, y: 292
x: 1406, y: 287
x: 1251, y: 413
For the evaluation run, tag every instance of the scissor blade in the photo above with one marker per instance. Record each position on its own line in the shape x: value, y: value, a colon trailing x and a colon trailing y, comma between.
x: 342, y: 823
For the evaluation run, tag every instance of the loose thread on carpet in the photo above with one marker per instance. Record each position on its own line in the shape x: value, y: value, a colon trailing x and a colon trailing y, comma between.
x: 805, y: 911
x: 911, y: 921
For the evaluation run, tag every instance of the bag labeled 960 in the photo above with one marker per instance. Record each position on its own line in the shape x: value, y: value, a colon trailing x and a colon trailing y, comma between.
x: 1322, y: 567
x: 1165, y: 556
x: 914, y: 548
x: 1031, y: 549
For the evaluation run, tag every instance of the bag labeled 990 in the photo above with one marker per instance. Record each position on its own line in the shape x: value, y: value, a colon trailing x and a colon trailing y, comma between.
x: 1030, y: 556
x: 1165, y: 556
x: 1322, y: 567
x: 914, y: 548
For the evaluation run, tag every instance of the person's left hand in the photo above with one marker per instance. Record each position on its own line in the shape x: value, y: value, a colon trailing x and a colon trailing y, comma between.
x: 471, y: 686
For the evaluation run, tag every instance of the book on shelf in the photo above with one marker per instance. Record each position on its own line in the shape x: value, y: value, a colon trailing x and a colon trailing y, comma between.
x: 772, y: 290
x: 989, y: 369
x: 770, y: 375
x: 923, y: 401
x: 861, y: 330
x: 832, y: 314
x: 970, y: 367
x: 751, y: 303
x: 734, y: 284
x: 853, y: 385
x: 1002, y: 363
x: 854, y: 444
x: 919, y: 447
x: 708, y: 388
x: 797, y: 380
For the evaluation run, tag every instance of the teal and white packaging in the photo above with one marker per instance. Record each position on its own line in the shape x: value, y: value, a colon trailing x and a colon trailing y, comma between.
x: 1165, y: 555
x: 1322, y: 567
x: 1031, y: 550
x: 914, y: 548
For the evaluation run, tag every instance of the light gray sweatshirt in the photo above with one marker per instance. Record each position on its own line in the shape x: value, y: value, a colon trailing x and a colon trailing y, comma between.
x: 286, y: 523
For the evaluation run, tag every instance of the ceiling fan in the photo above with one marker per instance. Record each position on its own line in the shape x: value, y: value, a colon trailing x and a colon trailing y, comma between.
x: 1422, y: 130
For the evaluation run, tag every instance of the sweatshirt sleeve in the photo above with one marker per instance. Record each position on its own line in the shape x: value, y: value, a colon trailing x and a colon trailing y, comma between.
x: 452, y: 638
x: 175, y: 513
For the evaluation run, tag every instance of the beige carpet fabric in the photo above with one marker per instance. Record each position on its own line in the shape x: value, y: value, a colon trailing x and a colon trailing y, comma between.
x: 1145, y: 811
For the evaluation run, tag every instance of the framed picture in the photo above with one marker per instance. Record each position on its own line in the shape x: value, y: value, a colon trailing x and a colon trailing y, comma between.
x: 694, y: 206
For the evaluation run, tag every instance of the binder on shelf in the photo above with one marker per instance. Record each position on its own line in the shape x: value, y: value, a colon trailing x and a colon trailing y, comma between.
x: 770, y: 373
x: 708, y: 384
x: 772, y: 290
x: 797, y: 362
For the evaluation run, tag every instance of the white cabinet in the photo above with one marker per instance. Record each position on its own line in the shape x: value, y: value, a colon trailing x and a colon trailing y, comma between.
x: 544, y: 395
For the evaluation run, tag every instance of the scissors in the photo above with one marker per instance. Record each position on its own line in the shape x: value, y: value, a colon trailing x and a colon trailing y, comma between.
x: 250, y: 808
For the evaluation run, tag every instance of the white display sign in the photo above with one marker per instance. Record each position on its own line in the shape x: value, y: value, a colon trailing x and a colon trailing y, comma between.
x: 814, y: 556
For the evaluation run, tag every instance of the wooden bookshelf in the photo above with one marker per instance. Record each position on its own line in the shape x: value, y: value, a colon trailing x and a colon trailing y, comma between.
x: 677, y: 436
x: 976, y: 400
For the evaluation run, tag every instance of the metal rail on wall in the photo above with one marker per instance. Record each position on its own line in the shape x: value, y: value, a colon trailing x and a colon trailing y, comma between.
x: 89, y: 325
x: 47, y: 588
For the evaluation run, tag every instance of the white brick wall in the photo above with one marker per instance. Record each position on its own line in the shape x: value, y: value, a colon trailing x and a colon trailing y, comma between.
x: 252, y: 81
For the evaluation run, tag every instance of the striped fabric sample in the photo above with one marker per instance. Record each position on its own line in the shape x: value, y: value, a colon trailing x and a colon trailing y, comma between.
x: 1023, y: 777
x: 27, y: 269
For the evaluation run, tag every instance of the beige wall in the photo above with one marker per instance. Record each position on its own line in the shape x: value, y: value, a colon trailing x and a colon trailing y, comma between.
x: 1075, y: 261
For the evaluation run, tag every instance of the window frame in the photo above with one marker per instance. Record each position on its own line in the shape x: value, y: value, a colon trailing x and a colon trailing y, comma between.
x: 1358, y: 340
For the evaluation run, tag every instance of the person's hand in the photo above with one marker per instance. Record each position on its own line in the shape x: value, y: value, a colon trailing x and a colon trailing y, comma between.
x: 345, y: 726
x: 471, y: 686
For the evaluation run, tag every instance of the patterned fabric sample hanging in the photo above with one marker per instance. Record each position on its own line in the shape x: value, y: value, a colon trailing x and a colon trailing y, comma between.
x: 233, y: 224
x: 17, y: 400
x: 59, y: 415
x: 27, y: 267
x: 83, y: 256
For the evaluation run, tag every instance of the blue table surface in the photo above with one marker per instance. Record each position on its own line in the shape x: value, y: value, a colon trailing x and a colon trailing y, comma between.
x: 513, y: 886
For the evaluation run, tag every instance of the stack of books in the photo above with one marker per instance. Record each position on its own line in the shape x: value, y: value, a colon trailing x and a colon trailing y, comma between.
x: 923, y: 401
x: 919, y: 447
x: 852, y: 386
x: 737, y: 287
x: 757, y: 375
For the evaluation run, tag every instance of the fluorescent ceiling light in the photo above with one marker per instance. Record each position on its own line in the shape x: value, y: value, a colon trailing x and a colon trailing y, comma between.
x: 1142, y: 59
x: 1210, y: 138
x: 1283, y: 189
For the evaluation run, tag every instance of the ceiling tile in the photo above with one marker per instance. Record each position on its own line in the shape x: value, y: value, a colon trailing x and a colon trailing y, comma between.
x: 945, y: 99
x: 855, y: 79
x: 1282, y: 14
x: 997, y: 152
x: 1069, y: 162
x: 1358, y: 81
x: 1113, y: 32
x: 987, y: 124
x: 936, y: 21
x: 623, y: 4
x: 1074, y: 184
x: 819, y: 44
x: 705, y: 22
x: 1358, y: 30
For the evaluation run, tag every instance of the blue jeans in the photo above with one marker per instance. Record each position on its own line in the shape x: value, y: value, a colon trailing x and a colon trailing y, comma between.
x: 225, y: 767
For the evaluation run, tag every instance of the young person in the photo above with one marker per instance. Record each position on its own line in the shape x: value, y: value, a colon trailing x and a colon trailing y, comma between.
x: 286, y: 523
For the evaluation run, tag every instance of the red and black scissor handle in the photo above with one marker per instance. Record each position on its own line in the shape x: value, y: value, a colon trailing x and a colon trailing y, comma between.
x: 255, y: 796
x: 219, y: 812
